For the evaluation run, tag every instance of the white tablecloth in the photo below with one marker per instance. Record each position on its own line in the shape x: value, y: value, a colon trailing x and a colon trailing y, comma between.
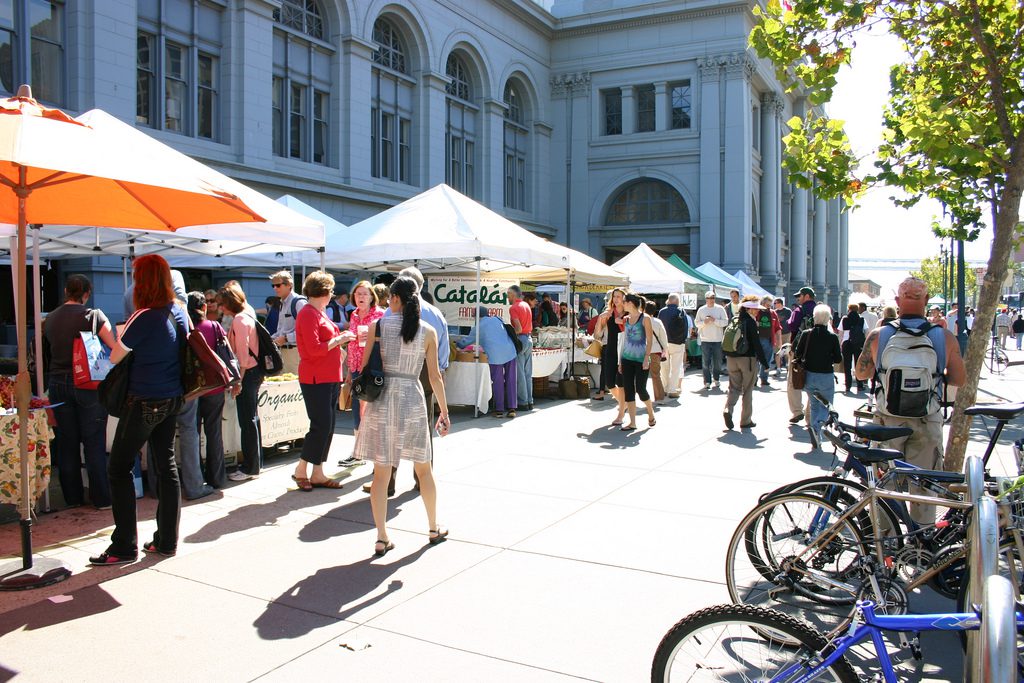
x: 468, y: 384
x: 547, y: 362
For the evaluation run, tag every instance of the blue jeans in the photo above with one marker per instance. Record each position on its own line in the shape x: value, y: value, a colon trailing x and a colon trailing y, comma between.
x: 524, y: 371
x: 1019, y: 336
x: 711, y: 360
x: 81, y: 422
x: 769, y: 353
x: 826, y: 384
x: 192, y: 484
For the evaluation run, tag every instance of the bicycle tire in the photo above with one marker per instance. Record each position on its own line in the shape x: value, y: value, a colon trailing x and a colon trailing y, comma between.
x: 767, y: 624
x: 788, y: 577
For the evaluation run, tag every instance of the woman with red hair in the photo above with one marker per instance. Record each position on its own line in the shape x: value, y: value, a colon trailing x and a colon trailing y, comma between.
x: 154, y: 336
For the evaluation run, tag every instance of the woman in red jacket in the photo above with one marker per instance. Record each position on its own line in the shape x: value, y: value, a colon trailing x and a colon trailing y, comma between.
x: 320, y: 358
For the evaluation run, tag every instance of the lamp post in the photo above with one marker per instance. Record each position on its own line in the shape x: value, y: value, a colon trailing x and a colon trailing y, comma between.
x: 942, y: 264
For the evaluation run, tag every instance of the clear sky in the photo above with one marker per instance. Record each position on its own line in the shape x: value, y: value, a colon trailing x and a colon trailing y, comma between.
x: 878, y: 228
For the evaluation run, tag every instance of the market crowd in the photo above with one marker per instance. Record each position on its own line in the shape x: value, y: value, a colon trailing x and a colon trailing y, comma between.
x: 337, y: 342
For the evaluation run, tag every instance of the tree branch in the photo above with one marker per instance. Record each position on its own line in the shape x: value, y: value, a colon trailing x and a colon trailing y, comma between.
x: 992, y: 73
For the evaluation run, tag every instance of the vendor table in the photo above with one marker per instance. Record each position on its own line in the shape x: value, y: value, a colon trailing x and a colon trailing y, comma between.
x: 468, y: 384
x: 10, y: 460
x: 547, y: 362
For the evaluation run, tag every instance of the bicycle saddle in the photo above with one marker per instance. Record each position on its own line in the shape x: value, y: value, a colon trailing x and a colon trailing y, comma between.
x: 873, y: 432
x: 1000, y: 411
x: 867, y: 454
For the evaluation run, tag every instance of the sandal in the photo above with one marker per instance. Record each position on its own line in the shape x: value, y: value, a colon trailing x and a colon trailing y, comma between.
x: 628, y: 428
x: 617, y: 423
x: 328, y: 484
x: 381, y: 548
x: 438, y: 535
x: 303, y: 483
x: 651, y: 422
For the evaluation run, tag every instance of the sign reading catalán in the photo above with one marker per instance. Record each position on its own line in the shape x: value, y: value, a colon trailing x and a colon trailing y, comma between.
x: 458, y: 297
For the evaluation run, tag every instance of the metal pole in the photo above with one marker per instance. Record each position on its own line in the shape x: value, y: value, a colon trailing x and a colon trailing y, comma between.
x: 476, y: 352
x: 38, y: 297
x: 997, y: 640
x: 22, y: 390
x: 961, y: 297
x: 984, y: 537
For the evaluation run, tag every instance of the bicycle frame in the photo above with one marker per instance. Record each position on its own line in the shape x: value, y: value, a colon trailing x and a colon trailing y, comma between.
x: 875, y: 624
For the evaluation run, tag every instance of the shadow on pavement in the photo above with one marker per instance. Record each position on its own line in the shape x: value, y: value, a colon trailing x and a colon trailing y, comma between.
x: 84, y: 603
x: 612, y: 437
x: 358, y: 511
x: 743, y: 438
x: 262, y: 514
x: 332, y: 592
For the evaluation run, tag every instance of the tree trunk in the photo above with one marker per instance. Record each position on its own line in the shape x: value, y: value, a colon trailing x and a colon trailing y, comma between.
x: 1006, y: 223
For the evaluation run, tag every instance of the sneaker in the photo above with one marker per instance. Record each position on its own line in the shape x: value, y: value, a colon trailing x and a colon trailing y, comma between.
x: 151, y: 548
x: 718, y: 387
x: 239, y: 475
x: 105, y: 559
x: 796, y: 418
x: 510, y: 413
x: 103, y: 507
x: 707, y: 387
x: 349, y: 461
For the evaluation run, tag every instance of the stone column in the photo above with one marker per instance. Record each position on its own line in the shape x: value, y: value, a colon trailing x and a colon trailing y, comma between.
x: 104, y: 63
x: 798, y: 240
x: 737, y: 180
x: 628, y: 110
x: 250, y: 65
x: 711, y: 163
x: 832, y: 252
x: 785, y: 231
x: 356, y: 102
x: 661, y: 105
x: 432, y: 125
x: 492, y: 156
x: 568, y: 151
x: 771, y: 189
x: 819, y: 248
x: 844, y: 255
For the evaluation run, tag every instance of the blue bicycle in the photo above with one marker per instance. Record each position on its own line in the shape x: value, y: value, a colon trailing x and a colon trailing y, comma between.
x: 748, y: 643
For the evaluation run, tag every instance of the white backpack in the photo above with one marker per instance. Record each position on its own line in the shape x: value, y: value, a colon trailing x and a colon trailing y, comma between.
x: 908, y: 377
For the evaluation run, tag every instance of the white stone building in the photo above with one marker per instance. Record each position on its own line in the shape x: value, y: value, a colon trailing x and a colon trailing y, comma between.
x: 598, y: 123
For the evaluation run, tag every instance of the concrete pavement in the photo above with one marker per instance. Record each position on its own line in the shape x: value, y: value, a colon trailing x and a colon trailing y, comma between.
x: 574, y: 547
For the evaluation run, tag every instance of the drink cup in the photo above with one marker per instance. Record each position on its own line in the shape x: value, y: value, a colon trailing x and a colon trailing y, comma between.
x: 362, y: 331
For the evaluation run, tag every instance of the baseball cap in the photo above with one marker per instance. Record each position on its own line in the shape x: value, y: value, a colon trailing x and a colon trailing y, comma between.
x: 805, y: 290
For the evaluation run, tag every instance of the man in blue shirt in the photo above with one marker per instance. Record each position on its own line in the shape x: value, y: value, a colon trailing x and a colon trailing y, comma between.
x: 677, y: 328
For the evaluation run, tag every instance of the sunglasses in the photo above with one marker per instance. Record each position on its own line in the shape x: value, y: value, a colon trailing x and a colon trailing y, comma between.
x: 277, y: 284
x: 211, y: 301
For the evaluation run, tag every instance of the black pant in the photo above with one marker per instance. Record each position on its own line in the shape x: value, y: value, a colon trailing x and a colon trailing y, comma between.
x: 153, y: 421
x: 247, y: 407
x: 850, y: 353
x: 321, y: 408
x: 211, y: 412
x: 81, y: 422
x: 634, y: 380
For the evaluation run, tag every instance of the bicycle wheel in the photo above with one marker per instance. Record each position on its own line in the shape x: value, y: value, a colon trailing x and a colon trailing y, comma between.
x: 743, y: 643
x: 785, y: 555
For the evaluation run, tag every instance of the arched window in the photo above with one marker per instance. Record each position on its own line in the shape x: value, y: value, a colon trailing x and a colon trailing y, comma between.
x: 647, y: 202
x: 516, y: 144
x: 460, y: 135
x: 302, y: 15
x: 177, y: 67
x: 302, y: 82
x: 392, y: 105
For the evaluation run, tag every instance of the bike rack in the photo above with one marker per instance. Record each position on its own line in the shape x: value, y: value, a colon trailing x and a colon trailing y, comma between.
x: 997, y: 638
x: 974, y: 477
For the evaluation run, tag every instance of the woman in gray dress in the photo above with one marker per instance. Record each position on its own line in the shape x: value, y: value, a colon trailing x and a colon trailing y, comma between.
x: 394, y: 427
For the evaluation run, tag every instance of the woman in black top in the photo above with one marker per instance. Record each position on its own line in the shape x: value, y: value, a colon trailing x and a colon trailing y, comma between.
x: 612, y: 322
x: 853, y: 325
x: 819, y: 349
x: 1018, y: 329
x: 742, y: 366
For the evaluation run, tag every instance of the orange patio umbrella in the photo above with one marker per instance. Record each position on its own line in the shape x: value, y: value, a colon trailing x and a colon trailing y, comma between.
x: 58, y: 171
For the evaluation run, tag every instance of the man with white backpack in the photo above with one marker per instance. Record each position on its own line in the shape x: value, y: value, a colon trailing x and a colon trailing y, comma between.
x: 912, y: 360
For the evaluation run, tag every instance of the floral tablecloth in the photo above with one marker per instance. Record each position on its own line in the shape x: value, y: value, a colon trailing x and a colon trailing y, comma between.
x: 39, y: 436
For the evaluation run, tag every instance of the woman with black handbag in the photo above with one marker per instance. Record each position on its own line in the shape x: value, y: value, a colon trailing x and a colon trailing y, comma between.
x: 394, y: 426
x: 152, y: 340
x: 819, y: 349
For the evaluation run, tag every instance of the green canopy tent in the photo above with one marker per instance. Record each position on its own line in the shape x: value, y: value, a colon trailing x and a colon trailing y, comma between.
x: 693, y: 272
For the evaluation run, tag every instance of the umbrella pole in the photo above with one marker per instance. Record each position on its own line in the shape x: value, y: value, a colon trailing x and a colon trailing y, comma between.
x: 476, y: 353
x: 568, y: 323
x: 37, y: 296
x: 46, y: 571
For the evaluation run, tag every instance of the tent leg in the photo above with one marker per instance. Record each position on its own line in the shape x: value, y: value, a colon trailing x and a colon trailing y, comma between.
x: 37, y: 297
x: 31, y: 573
x: 476, y: 353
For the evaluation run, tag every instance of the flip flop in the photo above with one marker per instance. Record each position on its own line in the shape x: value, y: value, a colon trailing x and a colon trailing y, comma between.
x: 617, y: 423
x: 628, y: 429
x: 329, y: 484
x: 303, y: 483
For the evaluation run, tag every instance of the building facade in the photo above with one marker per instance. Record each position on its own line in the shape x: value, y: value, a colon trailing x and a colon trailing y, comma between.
x: 596, y: 123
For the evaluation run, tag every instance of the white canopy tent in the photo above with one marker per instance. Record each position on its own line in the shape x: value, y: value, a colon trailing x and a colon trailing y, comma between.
x: 748, y: 286
x: 649, y: 273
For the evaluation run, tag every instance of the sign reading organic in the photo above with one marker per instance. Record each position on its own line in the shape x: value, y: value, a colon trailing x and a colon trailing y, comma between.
x: 458, y: 297
x: 282, y: 413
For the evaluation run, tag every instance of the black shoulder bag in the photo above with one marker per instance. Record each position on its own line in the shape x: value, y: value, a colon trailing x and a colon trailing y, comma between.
x: 369, y: 383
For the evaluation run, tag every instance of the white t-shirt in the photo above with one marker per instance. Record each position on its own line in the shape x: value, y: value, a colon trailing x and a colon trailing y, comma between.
x: 711, y: 330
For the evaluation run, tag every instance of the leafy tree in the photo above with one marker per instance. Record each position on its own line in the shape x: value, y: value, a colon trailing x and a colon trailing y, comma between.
x: 953, y: 125
x: 931, y: 273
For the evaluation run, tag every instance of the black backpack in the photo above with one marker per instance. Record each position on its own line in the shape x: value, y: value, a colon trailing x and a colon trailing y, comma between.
x: 269, y: 359
x: 511, y: 332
